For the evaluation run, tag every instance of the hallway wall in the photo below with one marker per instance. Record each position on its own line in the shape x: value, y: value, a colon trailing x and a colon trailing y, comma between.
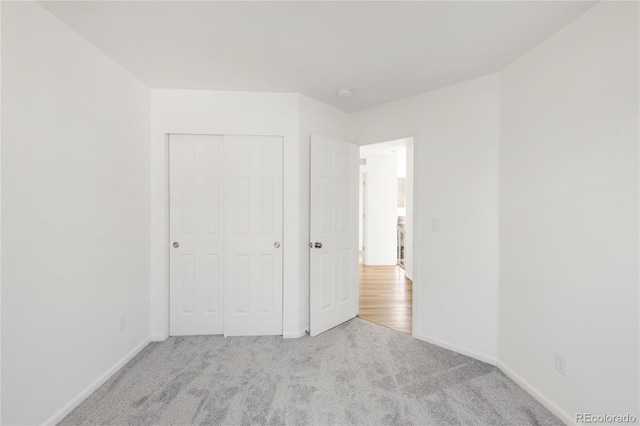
x: 380, y: 208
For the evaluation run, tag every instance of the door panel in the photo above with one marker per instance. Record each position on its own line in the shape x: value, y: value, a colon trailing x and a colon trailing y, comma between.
x: 195, y: 222
x: 334, y: 224
x: 253, y: 235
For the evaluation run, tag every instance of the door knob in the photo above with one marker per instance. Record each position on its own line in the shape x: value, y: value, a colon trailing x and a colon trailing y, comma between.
x: 276, y: 244
x: 317, y: 245
x: 176, y: 244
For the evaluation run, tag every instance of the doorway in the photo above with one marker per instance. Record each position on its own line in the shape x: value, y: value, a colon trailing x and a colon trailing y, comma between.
x: 386, y: 234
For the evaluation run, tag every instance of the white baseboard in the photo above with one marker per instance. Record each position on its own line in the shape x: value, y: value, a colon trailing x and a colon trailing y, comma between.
x: 158, y: 338
x: 67, y: 408
x: 408, y: 275
x: 542, y: 398
x: 293, y: 334
x: 456, y: 348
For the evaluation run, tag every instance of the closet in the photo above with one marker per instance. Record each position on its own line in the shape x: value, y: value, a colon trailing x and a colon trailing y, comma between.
x: 226, y: 229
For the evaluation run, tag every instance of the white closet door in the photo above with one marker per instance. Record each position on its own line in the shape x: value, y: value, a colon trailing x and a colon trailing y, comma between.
x: 253, y: 235
x: 196, y: 234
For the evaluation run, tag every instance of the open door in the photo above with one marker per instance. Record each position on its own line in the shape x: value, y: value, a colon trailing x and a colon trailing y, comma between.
x: 333, y: 233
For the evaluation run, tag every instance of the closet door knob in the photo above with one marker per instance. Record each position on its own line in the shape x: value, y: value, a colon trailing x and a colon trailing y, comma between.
x: 317, y: 245
x: 276, y: 244
x: 176, y: 244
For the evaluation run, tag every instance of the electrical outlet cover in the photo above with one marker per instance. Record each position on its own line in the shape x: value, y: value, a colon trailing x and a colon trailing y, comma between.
x: 561, y: 364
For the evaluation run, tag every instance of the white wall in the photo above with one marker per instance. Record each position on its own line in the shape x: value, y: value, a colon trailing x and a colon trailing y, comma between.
x: 318, y: 118
x: 75, y: 212
x: 569, y: 214
x: 380, y: 209
x: 387, y: 122
x: 456, y: 133
x: 457, y: 153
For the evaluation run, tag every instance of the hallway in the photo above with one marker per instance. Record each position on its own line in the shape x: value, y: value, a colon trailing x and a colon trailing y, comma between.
x: 386, y: 297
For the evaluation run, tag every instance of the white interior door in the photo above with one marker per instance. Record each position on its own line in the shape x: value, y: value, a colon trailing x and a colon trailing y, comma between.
x: 196, y: 234
x: 253, y: 231
x: 333, y: 233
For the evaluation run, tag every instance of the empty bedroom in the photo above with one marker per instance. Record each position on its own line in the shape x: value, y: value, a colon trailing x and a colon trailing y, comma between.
x: 180, y: 212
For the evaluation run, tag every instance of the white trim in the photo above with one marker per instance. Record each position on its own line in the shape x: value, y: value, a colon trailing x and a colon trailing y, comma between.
x: 67, y: 408
x: 416, y: 294
x: 293, y: 334
x: 407, y: 275
x: 456, y: 348
x: 542, y: 398
x: 380, y: 264
x: 158, y: 338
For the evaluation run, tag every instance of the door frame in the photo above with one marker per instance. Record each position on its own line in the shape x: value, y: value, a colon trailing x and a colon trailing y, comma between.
x: 417, y: 273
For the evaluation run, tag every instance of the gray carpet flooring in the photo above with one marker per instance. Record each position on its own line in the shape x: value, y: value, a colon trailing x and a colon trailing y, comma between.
x: 358, y: 373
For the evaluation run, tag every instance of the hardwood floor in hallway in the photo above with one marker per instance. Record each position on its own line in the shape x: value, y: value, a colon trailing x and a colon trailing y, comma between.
x: 386, y: 297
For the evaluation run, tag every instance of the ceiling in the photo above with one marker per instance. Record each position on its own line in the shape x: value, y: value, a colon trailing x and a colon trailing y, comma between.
x: 381, y: 51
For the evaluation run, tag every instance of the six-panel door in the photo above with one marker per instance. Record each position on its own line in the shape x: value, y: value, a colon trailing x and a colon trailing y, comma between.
x: 196, y: 229
x: 253, y: 235
x: 226, y: 235
x: 333, y: 257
